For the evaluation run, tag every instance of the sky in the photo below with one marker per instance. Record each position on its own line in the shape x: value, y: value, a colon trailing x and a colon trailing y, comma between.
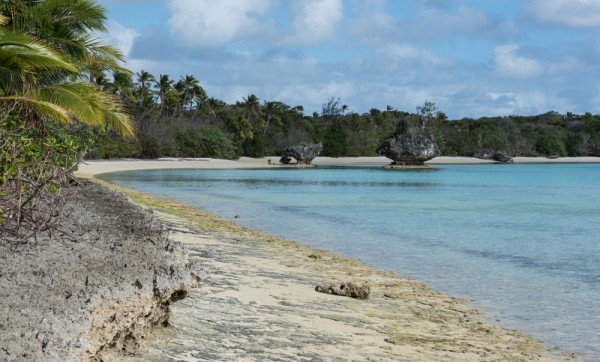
x: 473, y: 58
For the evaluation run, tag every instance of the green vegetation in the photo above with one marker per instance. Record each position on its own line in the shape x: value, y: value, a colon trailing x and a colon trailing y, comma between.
x: 49, y: 64
x: 171, y: 116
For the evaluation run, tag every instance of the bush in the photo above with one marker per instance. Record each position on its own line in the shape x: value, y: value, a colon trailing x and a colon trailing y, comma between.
x: 215, y: 143
x: 34, y: 165
x: 550, y: 145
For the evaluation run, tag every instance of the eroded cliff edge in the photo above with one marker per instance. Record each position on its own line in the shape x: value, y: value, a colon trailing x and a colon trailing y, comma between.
x: 94, y: 285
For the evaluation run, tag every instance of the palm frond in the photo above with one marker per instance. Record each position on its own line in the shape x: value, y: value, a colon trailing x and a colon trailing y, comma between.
x: 117, y: 118
x: 79, y: 99
x: 22, y: 58
x: 47, y: 109
x: 89, y: 105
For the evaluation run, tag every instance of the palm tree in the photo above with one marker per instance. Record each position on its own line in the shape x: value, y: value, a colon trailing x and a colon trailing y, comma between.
x: 272, y: 111
x: 143, y: 91
x: 253, y: 111
x: 209, y: 106
x: 69, y: 27
x: 191, y: 90
x: 163, y: 86
x: 26, y: 65
x: 122, y: 85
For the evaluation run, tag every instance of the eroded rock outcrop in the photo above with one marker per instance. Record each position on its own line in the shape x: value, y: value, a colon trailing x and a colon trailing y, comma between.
x: 409, y: 147
x: 285, y: 160
x: 304, y: 154
x: 96, y: 283
x: 501, y: 156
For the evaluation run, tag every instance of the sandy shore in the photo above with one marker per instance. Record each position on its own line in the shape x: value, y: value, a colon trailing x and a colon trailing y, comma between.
x: 95, y: 167
x: 257, y: 299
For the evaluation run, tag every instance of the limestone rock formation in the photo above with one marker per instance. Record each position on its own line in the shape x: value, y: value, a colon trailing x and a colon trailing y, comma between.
x: 304, y: 154
x: 409, y: 147
x: 346, y: 289
x: 502, y: 156
x: 97, y: 284
x: 285, y: 160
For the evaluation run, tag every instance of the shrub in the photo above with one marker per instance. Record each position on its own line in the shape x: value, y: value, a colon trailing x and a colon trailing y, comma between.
x: 34, y: 165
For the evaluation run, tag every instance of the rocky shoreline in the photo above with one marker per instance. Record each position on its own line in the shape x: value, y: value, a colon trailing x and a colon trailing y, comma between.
x: 108, y: 293
x: 257, y: 301
x: 100, y: 282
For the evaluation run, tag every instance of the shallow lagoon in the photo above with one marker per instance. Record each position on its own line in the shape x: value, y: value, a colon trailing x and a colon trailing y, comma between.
x: 523, y: 241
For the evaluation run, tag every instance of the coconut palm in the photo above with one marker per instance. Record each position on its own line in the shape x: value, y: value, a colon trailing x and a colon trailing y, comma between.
x: 36, y: 79
x: 272, y: 112
x: 253, y: 111
x: 189, y: 89
x: 69, y: 27
x: 143, y: 90
x: 163, y: 86
x: 122, y: 85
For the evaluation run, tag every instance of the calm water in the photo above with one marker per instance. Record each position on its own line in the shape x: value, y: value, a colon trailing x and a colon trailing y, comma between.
x: 523, y: 241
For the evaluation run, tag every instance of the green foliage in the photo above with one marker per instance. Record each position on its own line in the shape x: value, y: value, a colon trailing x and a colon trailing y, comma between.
x: 549, y: 144
x: 33, y: 169
x: 336, y: 141
x: 215, y: 143
x: 258, y: 146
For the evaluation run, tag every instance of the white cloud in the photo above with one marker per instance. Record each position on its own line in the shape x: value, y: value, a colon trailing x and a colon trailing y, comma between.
x: 510, y: 64
x: 574, y: 13
x: 568, y: 66
x: 313, y: 96
x: 120, y: 36
x: 314, y: 21
x: 406, y: 52
x: 369, y: 20
x: 217, y: 22
x: 525, y: 102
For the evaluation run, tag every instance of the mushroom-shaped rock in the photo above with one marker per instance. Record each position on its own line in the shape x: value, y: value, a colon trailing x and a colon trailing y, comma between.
x: 409, y: 147
x: 304, y: 154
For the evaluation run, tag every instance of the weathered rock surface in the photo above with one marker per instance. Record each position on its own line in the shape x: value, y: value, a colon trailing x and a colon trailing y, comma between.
x: 106, y: 274
x: 351, y: 290
x: 285, y: 160
x: 502, y: 156
x: 304, y: 154
x: 409, y: 147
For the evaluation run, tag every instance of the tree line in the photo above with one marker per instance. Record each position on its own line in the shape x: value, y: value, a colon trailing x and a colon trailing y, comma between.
x: 176, y: 118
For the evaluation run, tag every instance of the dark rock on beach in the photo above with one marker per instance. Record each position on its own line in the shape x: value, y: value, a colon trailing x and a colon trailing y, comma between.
x: 98, y: 281
x: 346, y: 289
x: 285, y: 160
x: 502, y: 156
x: 409, y: 147
x: 304, y: 154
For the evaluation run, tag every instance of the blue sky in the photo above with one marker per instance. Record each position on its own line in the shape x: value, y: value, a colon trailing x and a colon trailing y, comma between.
x: 472, y: 58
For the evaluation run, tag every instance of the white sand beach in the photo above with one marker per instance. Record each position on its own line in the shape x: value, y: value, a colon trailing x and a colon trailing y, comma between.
x: 95, y: 167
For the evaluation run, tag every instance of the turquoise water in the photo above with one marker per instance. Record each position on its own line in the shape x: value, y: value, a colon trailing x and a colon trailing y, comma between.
x: 522, y: 241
